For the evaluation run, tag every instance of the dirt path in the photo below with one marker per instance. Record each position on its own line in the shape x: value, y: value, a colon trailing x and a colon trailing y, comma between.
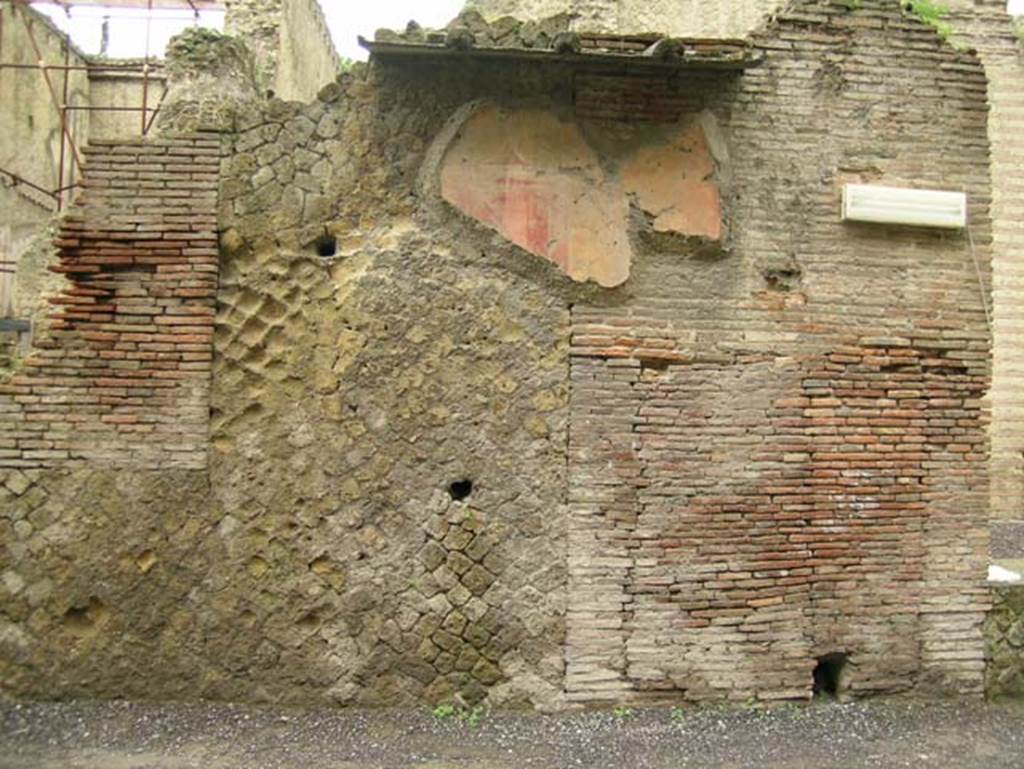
x: 131, y: 736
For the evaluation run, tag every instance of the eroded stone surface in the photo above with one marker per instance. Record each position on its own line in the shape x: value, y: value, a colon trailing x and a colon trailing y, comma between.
x: 695, y: 18
x: 1004, y: 635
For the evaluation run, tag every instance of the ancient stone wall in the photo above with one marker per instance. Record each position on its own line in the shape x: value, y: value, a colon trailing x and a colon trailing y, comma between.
x: 383, y: 520
x: 1004, y: 635
x: 308, y: 60
x: 258, y: 24
x: 123, y: 378
x: 367, y: 376
x: 30, y: 133
x: 120, y: 90
x: 441, y: 467
x: 770, y: 461
x: 291, y: 42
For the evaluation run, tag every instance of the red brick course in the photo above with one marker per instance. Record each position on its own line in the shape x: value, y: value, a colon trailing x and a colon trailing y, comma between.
x: 123, y: 375
x: 763, y: 474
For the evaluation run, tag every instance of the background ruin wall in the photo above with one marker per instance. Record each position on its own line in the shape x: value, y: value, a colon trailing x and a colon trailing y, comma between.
x: 30, y: 138
x: 436, y: 465
x: 683, y: 18
x: 291, y: 42
x: 30, y: 148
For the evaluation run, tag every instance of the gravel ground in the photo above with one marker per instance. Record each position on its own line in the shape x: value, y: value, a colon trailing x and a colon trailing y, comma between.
x: 828, y: 736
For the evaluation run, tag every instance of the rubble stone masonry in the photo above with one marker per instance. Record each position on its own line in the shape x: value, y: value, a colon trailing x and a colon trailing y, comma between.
x: 1004, y: 632
x: 683, y: 18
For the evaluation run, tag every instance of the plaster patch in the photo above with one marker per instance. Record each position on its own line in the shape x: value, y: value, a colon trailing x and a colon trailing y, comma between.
x: 532, y: 176
x: 673, y: 182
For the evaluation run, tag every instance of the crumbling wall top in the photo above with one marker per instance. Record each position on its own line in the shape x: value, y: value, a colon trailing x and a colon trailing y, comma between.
x: 554, y: 39
x: 211, y: 76
x: 683, y: 18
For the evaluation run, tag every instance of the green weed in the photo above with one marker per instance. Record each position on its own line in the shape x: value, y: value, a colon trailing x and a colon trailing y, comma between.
x: 931, y: 13
x: 464, y: 715
x: 444, y: 712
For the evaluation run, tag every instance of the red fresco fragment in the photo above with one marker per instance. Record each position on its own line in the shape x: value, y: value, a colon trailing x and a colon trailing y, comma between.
x: 533, y: 177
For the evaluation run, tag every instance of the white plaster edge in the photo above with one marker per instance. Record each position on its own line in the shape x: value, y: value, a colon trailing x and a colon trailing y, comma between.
x: 1003, y: 576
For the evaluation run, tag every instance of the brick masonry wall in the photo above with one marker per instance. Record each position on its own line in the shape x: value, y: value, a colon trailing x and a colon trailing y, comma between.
x: 778, y: 452
x: 8, y: 350
x: 122, y: 377
x: 987, y: 27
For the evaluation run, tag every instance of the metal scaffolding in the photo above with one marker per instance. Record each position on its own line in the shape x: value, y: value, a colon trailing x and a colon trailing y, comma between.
x: 57, y: 80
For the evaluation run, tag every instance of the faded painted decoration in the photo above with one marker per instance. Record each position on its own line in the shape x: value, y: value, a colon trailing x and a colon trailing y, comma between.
x: 532, y: 175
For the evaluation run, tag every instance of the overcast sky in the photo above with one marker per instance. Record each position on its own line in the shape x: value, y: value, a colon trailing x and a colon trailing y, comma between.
x: 347, y: 19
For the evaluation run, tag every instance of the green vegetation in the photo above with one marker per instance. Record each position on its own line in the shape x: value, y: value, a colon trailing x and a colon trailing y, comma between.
x: 10, y: 358
x: 347, y: 64
x: 677, y: 714
x: 623, y: 712
x: 931, y: 13
x: 7, y: 364
x: 464, y: 715
x: 444, y: 712
x: 795, y: 711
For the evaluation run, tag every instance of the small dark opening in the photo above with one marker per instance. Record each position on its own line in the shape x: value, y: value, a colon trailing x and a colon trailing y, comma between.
x: 655, y: 364
x: 78, y: 616
x: 782, y: 280
x: 327, y: 246
x: 459, y: 490
x: 828, y: 675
